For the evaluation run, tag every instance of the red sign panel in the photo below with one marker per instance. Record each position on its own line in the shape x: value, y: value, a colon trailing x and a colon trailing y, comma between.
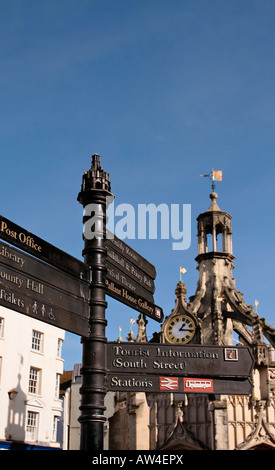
x: 169, y: 383
x: 198, y: 385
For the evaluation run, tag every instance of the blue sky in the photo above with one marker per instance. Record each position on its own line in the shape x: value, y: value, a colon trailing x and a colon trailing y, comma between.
x: 163, y: 90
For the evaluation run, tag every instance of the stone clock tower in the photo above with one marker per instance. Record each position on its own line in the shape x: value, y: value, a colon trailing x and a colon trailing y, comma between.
x: 182, y: 326
x: 203, y: 315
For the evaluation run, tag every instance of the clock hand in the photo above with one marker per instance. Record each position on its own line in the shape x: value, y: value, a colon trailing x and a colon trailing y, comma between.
x: 182, y: 329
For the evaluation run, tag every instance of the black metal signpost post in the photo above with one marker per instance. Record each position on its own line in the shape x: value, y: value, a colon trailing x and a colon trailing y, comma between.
x: 94, y: 191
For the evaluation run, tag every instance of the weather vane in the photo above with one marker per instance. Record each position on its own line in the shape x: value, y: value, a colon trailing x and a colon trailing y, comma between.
x: 119, y: 336
x: 132, y: 322
x: 215, y: 176
x: 182, y: 271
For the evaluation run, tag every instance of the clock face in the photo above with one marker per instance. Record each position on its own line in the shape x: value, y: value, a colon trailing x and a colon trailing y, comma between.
x: 180, y: 329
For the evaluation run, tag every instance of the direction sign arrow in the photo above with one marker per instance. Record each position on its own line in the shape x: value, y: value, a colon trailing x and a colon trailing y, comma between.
x: 153, y: 384
x: 124, y: 250
x: 126, y: 282
x: 133, y: 300
x: 140, y: 298
x: 129, y: 269
x: 36, y: 246
x: 31, y: 287
x: 197, y: 360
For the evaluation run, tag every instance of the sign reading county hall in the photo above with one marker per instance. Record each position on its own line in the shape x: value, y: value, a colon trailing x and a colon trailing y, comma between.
x: 36, y: 289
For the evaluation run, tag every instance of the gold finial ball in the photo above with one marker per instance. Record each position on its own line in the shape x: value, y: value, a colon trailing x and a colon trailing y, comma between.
x: 213, y: 196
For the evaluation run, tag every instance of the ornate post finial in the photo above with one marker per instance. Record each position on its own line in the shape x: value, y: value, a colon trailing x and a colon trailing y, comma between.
x: 96, y: 177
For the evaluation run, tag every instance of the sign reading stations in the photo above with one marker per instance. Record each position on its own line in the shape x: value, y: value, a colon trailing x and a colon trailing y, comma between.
x: 176, y: 384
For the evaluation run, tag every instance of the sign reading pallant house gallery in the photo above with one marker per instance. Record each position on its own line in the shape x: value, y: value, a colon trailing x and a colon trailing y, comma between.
x: 133, y: 300
x: 130, y: 278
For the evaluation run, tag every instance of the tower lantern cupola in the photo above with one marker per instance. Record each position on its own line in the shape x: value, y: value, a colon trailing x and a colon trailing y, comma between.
x: 215, y: 231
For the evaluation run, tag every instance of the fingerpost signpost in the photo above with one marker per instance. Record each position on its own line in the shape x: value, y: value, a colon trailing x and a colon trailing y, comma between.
x: 94, y: 191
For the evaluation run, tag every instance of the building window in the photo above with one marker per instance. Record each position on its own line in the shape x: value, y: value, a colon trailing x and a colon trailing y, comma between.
x: 37, y: 341
x: 32, y: 426
x: 54, y: 429
x: 2, y: 327
x: 57, y: 385
x: 34, y: 380
x: 59, y: 347
x: 78, y: 379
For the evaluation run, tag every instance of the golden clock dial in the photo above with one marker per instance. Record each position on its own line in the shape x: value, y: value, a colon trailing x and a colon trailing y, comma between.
x: 180, y: 329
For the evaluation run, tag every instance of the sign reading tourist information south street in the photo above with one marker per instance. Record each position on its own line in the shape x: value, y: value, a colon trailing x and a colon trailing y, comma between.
x: 157, y: 358
x: 31, y: 287
x: 207, y: 369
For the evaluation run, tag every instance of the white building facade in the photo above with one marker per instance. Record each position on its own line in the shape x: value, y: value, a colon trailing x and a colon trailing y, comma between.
x: 30, y: 370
